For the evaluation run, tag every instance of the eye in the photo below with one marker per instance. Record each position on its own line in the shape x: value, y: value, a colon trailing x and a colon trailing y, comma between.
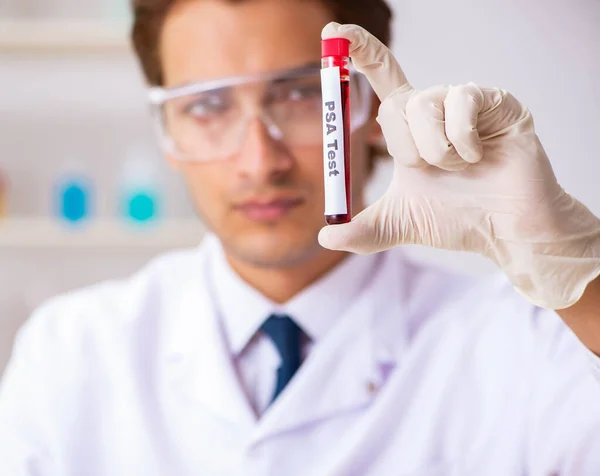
x: 308, y: 91
x: 206, y: 106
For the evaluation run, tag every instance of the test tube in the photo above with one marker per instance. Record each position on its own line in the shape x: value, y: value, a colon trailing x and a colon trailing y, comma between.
x: 335, y: 82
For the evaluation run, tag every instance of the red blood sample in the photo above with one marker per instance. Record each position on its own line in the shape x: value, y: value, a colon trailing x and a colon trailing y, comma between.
x: 336, y: 133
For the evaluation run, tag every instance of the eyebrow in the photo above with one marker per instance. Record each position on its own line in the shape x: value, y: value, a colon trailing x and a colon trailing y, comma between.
x: 275, y: 77
x: 292, y: 74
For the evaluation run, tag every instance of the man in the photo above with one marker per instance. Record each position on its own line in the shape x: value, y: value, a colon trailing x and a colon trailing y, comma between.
x: 263, y: 353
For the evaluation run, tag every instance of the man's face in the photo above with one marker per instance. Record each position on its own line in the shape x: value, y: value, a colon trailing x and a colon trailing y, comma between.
x: 265, y: 202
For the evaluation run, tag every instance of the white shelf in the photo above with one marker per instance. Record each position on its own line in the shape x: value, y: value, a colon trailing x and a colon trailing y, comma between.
x: 37, y: 234
x: 67, y: 36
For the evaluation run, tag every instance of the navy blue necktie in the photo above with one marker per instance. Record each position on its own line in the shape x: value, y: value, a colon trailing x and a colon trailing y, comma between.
x: 287, y: 337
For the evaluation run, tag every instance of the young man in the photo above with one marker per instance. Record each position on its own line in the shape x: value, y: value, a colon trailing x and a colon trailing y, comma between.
x: 263, y: 353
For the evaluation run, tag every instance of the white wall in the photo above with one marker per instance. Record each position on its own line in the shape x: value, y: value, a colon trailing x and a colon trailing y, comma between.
x: 546, y: 52
x: 57, y: 111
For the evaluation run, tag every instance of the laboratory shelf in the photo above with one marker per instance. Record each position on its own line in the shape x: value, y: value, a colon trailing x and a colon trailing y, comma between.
x: 41, y: 233
x: 63, y: 35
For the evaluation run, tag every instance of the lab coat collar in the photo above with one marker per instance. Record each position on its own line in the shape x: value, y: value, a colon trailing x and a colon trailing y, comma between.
x: 316, y: 309
x: 198, y: 356
x: 201, y: 364
x: 329, y: 385
x: 241, y: 308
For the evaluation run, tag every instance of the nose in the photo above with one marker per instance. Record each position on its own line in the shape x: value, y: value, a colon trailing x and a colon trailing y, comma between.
x: 262, y: 155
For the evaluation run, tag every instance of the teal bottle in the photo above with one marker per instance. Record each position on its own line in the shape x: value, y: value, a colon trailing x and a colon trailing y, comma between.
x: 141, y: 205
x: 139, y: 189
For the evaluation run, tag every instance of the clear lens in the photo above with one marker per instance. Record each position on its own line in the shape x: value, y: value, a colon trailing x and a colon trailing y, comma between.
x: 199, y: 125
x: 210, y: 124
x: 295, y: 107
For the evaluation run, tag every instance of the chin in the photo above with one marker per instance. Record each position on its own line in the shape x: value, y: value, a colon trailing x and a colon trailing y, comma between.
x: 275, y: 249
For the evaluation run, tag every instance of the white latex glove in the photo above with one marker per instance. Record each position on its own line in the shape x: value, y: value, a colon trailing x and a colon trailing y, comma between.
x: 470, y: 174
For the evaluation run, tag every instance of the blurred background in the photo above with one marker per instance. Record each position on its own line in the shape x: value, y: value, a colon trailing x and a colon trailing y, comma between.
x: 85, y: 195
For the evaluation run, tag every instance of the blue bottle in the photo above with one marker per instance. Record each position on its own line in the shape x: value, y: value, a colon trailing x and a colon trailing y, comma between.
x: 73, y: 198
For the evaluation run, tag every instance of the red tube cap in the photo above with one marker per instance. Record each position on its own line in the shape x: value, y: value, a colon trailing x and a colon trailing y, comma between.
x: 335, y: 47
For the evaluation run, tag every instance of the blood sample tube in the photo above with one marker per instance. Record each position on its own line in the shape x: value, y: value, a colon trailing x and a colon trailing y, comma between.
x: 335, y: 80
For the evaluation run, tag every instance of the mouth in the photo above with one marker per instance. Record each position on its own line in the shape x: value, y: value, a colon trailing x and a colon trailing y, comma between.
x: 269, y: 210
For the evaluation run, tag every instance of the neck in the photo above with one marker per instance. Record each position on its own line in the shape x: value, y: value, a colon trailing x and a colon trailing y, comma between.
x: 280, y: 284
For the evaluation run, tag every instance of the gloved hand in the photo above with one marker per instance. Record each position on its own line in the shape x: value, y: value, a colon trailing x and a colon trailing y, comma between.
x: 470, y: 174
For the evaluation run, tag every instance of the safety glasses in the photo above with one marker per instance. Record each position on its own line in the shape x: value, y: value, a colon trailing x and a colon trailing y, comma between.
x: 208, y: 120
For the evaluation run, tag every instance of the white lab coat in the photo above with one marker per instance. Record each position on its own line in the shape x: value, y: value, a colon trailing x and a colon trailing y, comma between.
x: 427, y: 374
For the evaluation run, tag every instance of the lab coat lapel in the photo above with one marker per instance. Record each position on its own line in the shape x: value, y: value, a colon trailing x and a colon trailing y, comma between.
x: 345, y: 371
x: 199, y: 354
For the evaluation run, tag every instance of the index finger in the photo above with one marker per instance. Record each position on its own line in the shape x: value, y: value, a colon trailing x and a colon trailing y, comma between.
x: 372, y: 58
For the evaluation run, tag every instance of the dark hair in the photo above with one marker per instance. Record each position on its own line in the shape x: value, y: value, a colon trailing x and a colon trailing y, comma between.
x: 149, y: 16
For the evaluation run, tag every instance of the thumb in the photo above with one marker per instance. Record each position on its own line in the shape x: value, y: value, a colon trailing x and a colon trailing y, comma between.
x: 372, y: 58
x: 365, y: 234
